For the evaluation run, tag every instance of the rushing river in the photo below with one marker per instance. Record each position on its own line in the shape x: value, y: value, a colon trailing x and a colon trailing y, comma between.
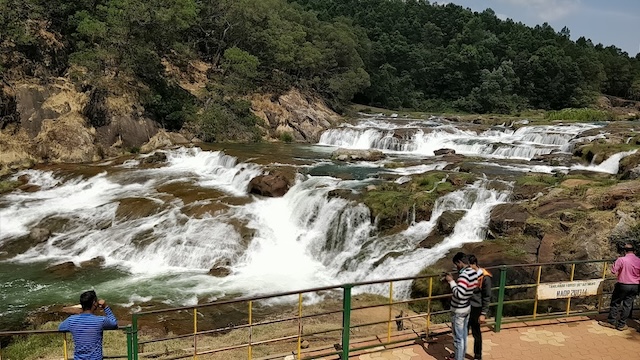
x: 161, y: 227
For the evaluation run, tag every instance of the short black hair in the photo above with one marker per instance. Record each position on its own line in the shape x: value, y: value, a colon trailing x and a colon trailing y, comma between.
x: 460, y: 257
x: 87, y: 299
x: 628, y: 247
x: 473, y: 260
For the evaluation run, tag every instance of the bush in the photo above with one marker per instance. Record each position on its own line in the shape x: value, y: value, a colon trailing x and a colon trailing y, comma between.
x: 583, y: 114
x: 286, y: 137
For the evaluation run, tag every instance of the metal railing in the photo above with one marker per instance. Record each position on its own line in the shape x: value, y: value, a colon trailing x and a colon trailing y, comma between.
x: 65, y: 342
x: 516, y: 290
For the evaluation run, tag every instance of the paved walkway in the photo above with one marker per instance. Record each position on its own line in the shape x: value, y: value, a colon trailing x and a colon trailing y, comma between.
x: 573, y: 338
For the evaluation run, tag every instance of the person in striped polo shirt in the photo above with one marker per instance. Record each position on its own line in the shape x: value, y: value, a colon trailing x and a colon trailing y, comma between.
x: 87, y: 328
x: 462, y: 291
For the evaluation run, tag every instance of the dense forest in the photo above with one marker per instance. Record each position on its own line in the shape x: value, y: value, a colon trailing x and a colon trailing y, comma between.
x: 388, y: 53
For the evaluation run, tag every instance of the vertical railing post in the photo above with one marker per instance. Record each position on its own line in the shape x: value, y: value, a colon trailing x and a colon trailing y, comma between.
x: 64, y: 343
x: 134, y: 330
x: 503, y: 281
x: 601, y: 290
x: 429, y: 304
x: 195, y: 333
x: 573, y: 271
x: 250, y: 349
x: 129, y: 342
x: 535, y: 303
x: 346, y: 320
x: 299, y: 325
x: 390, y: 306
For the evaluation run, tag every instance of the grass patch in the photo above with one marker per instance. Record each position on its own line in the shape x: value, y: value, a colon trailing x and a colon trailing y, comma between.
x: 599, y: 151
x: 540, y: 179
x: 584, y: 114
x: 393, y: 204
x: 8, y: 185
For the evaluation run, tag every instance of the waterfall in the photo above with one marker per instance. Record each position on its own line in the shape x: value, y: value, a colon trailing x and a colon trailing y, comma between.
x: 499, y: 142
x: 476, y: 199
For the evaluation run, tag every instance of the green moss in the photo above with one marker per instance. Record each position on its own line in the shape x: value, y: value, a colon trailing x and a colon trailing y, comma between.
x: 8, y: 185
x: 598, y: 151
x: 583, y: 114
x: 393, y: 205
x: 544, y: 180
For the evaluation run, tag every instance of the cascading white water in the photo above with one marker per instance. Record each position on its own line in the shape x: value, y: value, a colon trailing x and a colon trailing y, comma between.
x: 305, y: 239
x: 500, y: 142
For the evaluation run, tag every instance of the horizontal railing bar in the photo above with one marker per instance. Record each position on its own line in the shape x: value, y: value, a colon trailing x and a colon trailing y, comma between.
x: 322, y: 332
x: 242, y: 299
x: 40, y: 332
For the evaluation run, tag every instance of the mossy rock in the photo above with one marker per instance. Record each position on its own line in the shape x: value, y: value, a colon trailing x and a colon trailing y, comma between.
x: 8, y: 186
x: 393, y: 205
x: 599, y: 151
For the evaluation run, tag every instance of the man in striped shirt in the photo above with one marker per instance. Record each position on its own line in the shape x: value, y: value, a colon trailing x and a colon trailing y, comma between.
x: 87, y: 328
x: 462, y: 291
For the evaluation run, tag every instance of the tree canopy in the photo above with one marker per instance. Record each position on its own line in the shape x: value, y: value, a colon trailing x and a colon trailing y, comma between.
x: 388, y: 53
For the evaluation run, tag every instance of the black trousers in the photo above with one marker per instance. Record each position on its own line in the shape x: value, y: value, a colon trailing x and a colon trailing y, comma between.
x: 474, y: 324
x: 621, y: 303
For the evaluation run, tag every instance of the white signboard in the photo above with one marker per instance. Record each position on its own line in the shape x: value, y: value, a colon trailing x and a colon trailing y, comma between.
x: 567, y: 289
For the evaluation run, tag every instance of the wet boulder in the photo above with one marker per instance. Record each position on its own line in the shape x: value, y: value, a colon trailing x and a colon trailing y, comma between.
x: 136, y: 208
x: 444, y: 152
x: 65, y: 269
x: 38, y: 234
x: 220, y: 268
x: 448, y: 220
x: 357, y: 155
x: 272, y: 185
x: 155, y: 158
x: 94, y: 263
x: 508, y: 219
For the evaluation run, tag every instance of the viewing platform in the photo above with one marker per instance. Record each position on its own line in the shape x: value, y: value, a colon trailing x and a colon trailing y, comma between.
x: 578, y: 337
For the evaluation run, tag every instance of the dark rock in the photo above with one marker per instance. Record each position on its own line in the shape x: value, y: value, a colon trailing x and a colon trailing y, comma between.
x: 220, y: 271
x: 526, y: 192
x: 96, y: 110
x: 273, y: 185
x: 447, y: 221
x: 156, y: 157
x: 535, y: 230
x: 220, y: 268
x: 357, y: 155
x: 136, y: 208
x: 444, y: 152
x: 65, y: 269
x: 38, y: 234
x: 430, y: 241
x: 508, y: 219
x: 8, y: 107
x: 96, y: 262
x: 345, y: 194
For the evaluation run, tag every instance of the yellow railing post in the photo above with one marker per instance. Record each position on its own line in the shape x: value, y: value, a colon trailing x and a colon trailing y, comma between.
x: 429, y: 304
x: 573, y: 271
x: 604, y: 276
x: 64, y: 344
x: 535, y: 303
x: 250, y: 330
x: 390, y: 305
x: 195, y: 333
x: 299, y: 324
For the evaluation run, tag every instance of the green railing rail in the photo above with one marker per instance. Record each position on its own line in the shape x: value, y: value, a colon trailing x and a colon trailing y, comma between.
x: 516, y: 287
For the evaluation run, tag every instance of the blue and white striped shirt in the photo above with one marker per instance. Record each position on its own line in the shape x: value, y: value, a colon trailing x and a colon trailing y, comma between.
x: 87, y: 333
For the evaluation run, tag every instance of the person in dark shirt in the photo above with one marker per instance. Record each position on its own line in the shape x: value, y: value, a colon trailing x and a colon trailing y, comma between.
x: 479, y: 305
x: 87, y: 328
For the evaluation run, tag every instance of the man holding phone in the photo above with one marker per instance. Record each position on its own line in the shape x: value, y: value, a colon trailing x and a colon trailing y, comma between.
x: 87, y: 328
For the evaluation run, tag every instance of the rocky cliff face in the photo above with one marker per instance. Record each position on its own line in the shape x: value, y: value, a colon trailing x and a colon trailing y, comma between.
x: 55, y: 122
x: 303, y: 117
